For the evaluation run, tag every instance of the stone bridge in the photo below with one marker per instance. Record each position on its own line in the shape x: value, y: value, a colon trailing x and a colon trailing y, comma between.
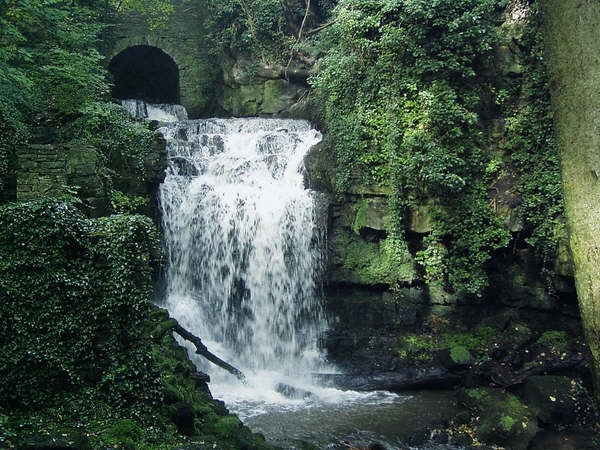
x: 171, y: 64
x: 175, y: 64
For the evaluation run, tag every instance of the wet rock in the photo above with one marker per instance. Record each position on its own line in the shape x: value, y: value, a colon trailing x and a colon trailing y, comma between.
x: 377, y: 446
x: 419, y: 437
x: 545, y: 440
x: 391, y: 381
x: 292, y: 392
x: 462, y: 440
x: 183, y: 414
x: 552, y: 398
x: 502, y: 418
x: 440, y: 437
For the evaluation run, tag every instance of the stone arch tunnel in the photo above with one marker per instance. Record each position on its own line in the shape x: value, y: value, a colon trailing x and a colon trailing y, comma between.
x: 170, y: 64
x: 145, y: 72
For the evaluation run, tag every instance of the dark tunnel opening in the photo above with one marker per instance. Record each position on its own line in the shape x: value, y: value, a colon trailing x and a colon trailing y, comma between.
x: 145, y: 73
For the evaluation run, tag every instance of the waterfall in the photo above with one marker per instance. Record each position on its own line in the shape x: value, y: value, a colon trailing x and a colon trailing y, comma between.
x: 244, y: 251
x: 244, y: 241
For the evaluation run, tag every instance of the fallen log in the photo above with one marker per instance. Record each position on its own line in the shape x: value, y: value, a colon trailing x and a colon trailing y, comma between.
x: 203, y: 351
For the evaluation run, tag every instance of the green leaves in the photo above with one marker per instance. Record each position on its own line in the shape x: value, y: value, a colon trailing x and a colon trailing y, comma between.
x: 72, y: 79
x: 156, y: 12
x: 125, y: 144
x: 49, y: 67
x: 251, y: 27
x: 75, y: 294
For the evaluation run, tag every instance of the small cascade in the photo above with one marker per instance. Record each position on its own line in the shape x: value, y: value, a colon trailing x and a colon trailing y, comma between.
x: 161, y: 113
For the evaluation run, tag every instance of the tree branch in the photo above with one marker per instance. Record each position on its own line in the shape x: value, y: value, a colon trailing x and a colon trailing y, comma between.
x: 202, y: 350
x: 319, y: 28
x: 298, y: 38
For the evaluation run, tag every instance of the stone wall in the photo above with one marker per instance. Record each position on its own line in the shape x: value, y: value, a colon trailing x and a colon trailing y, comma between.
x: 41, y: 171
x: 53, y: 170
x: 81, y: 170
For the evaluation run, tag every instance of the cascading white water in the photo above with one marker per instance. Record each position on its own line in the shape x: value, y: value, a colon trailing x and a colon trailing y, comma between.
x: 244, y: 251
x: 161, y: 113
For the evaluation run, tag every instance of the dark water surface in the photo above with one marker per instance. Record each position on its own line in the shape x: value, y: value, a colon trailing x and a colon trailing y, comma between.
x: 359, y: 420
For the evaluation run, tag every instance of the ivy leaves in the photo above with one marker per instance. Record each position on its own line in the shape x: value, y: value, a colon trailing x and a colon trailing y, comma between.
x: 85, y: 284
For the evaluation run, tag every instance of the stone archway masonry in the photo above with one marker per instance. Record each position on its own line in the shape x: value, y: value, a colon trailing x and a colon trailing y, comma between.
x: 183, y: 39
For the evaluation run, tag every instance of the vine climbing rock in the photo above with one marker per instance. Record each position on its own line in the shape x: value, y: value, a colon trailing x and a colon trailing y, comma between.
x: 572, y: 33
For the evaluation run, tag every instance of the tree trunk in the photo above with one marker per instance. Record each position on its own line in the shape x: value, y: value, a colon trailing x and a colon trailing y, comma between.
x: 572, y: 37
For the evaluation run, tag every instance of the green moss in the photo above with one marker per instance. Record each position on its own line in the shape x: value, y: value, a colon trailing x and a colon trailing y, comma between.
x: 373, y: 263
x: 417, y: 347
x: 556, y: 340
x: 460, y: 355
x: 503, y: 419
x: 463, y: 346
x: 361, y: 215
x: 477, y: 394
x: 125, y: 433
x: 227, y: 427
x: 507, y: 422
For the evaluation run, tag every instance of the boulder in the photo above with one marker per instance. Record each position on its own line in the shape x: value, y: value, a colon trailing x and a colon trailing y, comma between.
x: 502, y: 418
x: 552, y: 398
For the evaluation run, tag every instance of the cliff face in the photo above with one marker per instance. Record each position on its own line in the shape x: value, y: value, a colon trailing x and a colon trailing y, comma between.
x: 572, y: 31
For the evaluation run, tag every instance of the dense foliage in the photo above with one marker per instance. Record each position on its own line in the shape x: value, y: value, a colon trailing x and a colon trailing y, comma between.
x: 83, y: 351
x: 266, y: 31
x: 125, y: 145
x: 53, y: 85
x: 49, y: 66
x: 255, y: 27
x: 399, y: 92
x: 75, y: 295
x: 531, y: 144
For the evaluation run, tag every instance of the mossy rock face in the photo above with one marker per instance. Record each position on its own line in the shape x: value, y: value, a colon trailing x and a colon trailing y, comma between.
x: 555, y: 399
x: 370, y: 263
x: 460, y: 356
x: 320, y: 168
x: 259, y: 97
x: 420, y: 219
x: 366, y: 213
x: 503, y: 419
